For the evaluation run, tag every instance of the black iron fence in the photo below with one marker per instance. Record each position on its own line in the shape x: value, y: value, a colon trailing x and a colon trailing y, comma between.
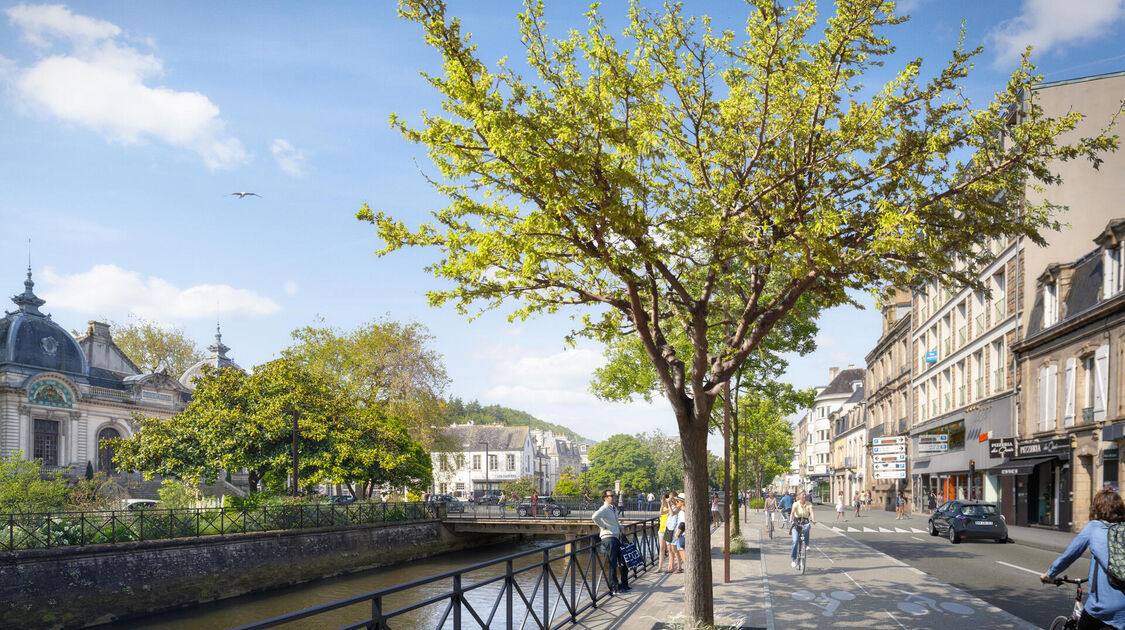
x: 545, y: 588
x: 61, y: 529
x: 547, y: 507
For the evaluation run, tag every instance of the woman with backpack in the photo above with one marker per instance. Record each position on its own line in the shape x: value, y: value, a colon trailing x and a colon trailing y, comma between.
x: 1105, y: 604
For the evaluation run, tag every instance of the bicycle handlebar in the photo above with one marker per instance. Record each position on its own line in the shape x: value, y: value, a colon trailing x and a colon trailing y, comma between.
x: 1059, y: 581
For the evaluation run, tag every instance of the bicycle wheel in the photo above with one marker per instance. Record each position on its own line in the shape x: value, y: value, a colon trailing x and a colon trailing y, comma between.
x: 804, y: 557
x: 1061, y: 623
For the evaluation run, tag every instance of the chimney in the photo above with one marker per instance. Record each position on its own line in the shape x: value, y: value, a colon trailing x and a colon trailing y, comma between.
x: 832, y: 372
x: 851, y: 366
x: 98, y: 329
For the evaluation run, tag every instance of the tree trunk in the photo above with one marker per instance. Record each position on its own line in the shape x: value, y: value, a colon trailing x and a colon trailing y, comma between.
x: 736, y: 530
x: 698, y: 603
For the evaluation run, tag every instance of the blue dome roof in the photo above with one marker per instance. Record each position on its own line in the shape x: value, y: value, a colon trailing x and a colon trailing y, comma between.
x: 30, y: 338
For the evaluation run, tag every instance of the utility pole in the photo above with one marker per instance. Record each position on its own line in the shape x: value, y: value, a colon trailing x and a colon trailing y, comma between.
x: 726, y: 482
x: 296, y: 431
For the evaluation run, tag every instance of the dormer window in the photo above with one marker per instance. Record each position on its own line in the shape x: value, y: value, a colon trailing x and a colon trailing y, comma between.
x: 1050, y: 303
x: 1112, y: 272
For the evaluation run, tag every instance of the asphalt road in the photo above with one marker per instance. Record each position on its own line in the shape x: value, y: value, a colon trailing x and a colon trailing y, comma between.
x: 1005, y: 576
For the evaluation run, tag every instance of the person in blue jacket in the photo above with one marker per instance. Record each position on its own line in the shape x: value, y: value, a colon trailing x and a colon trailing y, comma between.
x: 1105, y: 605
x: 786, y: 504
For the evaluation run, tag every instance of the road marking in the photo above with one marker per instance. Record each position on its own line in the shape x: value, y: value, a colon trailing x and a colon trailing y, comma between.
x: 917, y: 531
x: 824, y: 554
x: 1020, y: 568
x: 766, y: 585
x: 856, y: 583
x: 869, y: 530
x: 917, y: 538
x: 896, y: 620
x: 852, y: 529
x: 899, y: 530
x: 884, y: 530
x: 837, y: 530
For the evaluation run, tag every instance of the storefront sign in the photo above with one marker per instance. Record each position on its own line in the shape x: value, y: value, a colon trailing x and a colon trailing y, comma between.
x: 901, y: 457
x: 890, y: 474
x: 893, y: 448
x: 1042, y: 448
x: 931, y: 356
x: 939, y: 447
x: 1001, y: 448
x: 933, y: 439
x: 898, y: 439
x: 890, y: 466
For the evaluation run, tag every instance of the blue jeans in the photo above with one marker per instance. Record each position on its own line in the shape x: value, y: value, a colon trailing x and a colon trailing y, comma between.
x: 797, y: 531
x: 613, y: 559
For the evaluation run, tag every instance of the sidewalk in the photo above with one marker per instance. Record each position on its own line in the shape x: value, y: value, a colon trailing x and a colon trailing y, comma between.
x: 848, y: 584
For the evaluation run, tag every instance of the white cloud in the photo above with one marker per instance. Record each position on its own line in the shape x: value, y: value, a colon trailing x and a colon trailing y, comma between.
x: 289, y: 159
x: 290, y: 287
x: 111, y: 290
x: 1051, y: 24
x: 100, y: 83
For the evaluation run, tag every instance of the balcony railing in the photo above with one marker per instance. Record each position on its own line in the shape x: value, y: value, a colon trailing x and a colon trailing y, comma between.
x: 948, y: 401
x: 962, y: 336
x: 999, y: 381
x: 961, y: 395
x: 1087, y: 415
x: 934, y: 408
x: 948, y: 345
x: 980, y: 324
x: 980, y: 387
x: 997, y: 312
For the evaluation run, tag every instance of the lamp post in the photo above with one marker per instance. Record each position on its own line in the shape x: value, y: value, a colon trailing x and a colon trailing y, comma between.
x: 296, y: 432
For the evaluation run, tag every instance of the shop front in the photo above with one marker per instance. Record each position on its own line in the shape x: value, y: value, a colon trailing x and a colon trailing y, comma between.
x: 1036, y: 484
x: 952, y: 458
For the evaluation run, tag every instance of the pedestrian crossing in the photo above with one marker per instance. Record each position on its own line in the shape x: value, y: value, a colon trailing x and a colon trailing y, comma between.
x: 873, y: 530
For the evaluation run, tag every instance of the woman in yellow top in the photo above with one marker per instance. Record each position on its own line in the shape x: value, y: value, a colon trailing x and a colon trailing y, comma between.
x: 801, y: 520
x: 664, y: 511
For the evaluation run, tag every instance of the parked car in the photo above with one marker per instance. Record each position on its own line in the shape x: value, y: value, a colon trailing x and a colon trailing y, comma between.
x: 343, y: 498
x: 139, y: 504
x: 547, y: 506
x: 452, y: 504
x: 958, y: 520
x: 489, y: 497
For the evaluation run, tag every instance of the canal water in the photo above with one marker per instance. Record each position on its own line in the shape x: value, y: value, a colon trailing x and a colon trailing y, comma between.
x: 260, y: 606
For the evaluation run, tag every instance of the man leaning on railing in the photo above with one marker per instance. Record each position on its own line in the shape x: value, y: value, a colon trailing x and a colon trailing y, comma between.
x: 611, y: 534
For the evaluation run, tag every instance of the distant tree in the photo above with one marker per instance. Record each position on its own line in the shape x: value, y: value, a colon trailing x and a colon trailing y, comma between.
x: 621, y: 457
x: 522, y: 487
x: 153, y: 348
x: 383, y: 363
x: 568, y: 484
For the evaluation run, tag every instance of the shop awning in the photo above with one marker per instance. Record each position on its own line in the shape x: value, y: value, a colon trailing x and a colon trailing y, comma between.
x: 1019, y: 466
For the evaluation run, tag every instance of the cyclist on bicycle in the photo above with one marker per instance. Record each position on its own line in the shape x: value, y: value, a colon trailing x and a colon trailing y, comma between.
x: 801, y: 519
x: 1105, y: 605
x: 786, y: 504
x: 771, y: 506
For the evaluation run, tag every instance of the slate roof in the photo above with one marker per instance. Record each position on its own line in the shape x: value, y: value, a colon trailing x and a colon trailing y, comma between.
x: 857, y: 395
x: 1085, y: 287
x: 842, y: 384
x: 498, y: 437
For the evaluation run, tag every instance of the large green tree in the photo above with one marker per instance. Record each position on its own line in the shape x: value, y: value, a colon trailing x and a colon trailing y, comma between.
x: 153, y: 348
x: 672, y: 177
x: 621, y: 458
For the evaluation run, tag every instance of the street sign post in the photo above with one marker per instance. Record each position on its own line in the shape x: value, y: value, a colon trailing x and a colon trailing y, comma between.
x: 890, y: 474
x: 896, y: 439
x: 891, y: 457
x: 893, y: 448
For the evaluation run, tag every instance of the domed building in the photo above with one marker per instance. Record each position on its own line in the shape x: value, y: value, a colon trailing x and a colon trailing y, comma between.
x: 61, y: 397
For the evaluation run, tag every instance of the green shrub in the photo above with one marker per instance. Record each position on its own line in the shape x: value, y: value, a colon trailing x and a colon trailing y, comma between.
x: 757, y: 504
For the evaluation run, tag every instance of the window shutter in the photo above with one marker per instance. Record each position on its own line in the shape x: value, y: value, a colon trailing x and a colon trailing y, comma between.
x: 1109, y: 269
x: 1101, y: 382
x: 1052, y: 395
x: 1068, y: 404
x: 1042, y: 398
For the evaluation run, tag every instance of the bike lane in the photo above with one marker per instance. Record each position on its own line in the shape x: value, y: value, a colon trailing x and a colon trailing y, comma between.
x: 849, y: 584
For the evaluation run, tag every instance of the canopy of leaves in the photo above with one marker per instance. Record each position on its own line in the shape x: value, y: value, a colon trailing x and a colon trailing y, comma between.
x: 765, y: 440
x: 621, y: 458
x: 239, y: 421
x: 22, y: 488
x: 522, y: 487
x: 568, y: 484
x: 153, y: 348
x: 383, y: 363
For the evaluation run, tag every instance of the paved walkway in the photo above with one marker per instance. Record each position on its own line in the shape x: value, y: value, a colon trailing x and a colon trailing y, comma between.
x: 847, y: 585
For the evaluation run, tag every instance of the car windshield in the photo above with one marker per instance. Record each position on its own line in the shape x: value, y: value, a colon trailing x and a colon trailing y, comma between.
x: 979, y: 510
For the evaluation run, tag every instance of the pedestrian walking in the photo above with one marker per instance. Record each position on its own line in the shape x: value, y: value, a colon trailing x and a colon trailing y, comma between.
x: 534, y: 501
x: 900, y: 508
x: 665, y: 511
x: 858, y: 503
x: 840, y: 507
x: 868, y: 499
x: 668, y: 534
x: 716, y: 514
x: 640, y: 501
x: 932, y: 504
x: 610, y: 533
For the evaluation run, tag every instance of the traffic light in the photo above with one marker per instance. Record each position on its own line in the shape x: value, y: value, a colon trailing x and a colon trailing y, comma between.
x: 972, y: 468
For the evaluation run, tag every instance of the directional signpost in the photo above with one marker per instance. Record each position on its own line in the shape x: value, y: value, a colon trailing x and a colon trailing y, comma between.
x: 933, y: 443
x: 889, y: 455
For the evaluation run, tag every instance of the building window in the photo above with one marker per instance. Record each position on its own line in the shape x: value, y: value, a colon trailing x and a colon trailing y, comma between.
x: 476, y: 462
x: 1050, y: 304
x: 47, y: 442
x: 1068, y: 392
x: 1101, y: 382
x: 493, y: 462
x: 105, y: 451
x: 1048, y: 392
x: 460, y: 460
x: 460, y: 488
x: 511, y: 462
x: 443, y: 462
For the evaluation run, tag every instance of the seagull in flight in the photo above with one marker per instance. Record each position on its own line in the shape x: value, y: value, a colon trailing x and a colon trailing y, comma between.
x: 242, y: 195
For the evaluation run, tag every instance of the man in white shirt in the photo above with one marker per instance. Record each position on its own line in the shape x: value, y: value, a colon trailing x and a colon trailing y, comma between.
x: 606, y: 519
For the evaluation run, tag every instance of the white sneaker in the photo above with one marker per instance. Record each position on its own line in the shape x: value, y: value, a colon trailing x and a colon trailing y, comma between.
x: 793, y: 564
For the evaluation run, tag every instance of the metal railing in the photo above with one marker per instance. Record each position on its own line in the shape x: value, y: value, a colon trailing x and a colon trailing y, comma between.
x: 65, y: 529
x: 544, y: 588
x: 554, y: 508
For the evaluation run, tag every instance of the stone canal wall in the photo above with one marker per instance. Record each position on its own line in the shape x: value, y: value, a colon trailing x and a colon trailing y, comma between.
x: 78, y: 586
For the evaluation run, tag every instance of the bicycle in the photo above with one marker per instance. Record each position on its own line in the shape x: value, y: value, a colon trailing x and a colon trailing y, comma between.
x: 802, y: 548
x: 1071, y: 622
x: 769, y: 523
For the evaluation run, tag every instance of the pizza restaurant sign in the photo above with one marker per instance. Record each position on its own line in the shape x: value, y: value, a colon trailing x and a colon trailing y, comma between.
x: 1041, y: 448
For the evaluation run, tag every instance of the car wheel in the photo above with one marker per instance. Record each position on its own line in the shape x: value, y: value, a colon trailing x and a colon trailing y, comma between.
x: 953, y: 537
x: 556, y: 512
x: 521, y: 512
x: 933, y: 529
x: 1002, y: 540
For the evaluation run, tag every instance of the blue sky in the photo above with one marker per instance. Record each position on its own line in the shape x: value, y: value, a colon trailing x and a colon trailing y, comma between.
x: 124, y: 126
